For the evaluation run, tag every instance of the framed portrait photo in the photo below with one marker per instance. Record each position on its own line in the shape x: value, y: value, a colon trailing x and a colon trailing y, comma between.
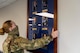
x: 42, y: 18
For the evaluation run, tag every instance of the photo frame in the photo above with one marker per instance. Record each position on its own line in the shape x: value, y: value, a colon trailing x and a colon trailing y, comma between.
x: 39, y: 25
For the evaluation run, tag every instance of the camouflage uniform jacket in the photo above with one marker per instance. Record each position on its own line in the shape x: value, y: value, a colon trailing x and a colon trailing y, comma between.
x: 14, y: 42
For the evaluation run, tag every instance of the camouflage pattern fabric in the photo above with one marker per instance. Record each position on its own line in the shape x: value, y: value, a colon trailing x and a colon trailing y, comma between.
x: 14, y: 43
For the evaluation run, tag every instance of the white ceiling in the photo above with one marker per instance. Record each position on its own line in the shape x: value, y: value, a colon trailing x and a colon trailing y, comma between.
x: 4, y: 3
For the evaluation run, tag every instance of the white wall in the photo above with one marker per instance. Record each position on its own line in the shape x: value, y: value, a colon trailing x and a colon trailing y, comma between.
x: 69, y: 26
x: 17, y: 12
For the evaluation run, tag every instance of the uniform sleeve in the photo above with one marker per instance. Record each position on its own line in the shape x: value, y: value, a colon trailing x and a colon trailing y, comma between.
x: 22, y: 43
x: 38, y: 43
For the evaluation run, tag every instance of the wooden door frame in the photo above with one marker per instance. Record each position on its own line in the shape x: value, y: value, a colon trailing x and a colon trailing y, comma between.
x: 55, y: 25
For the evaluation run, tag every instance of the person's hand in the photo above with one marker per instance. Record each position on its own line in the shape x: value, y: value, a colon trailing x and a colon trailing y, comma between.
x: 54, y: 34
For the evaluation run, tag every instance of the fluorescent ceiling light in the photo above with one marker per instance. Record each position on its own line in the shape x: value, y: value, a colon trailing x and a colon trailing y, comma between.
x: 4, y: 3
x: 45, y: 14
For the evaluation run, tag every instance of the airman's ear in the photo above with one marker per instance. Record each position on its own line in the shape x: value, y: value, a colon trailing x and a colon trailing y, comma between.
x: 10, y: 29
x: 13, y: 25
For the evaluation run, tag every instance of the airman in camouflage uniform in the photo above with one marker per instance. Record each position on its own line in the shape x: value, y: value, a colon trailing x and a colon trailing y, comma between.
x: 16, y: 44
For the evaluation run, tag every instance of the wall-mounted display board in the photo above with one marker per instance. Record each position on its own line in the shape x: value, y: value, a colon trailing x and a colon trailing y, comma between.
x: 42, y: 17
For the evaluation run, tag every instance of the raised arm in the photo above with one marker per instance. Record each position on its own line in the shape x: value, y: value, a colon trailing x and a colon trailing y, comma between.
x: 38, y: 43
x: 22, y: 43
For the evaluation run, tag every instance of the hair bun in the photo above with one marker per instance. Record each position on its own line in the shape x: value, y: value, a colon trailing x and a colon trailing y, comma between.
x: 1, y: 31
